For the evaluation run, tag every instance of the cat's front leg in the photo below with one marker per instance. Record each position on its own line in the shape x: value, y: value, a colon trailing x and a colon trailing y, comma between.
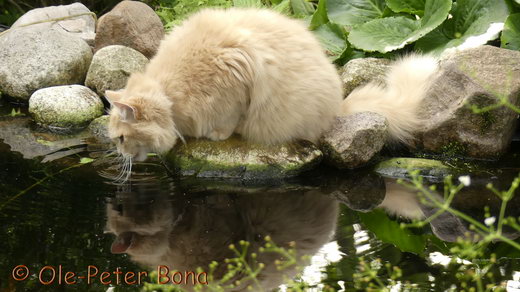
x: 219, y: 134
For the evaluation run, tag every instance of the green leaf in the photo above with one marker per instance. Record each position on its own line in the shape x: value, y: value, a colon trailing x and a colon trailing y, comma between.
x: 473, y: 23
x: 390, y: 231
x: 320, y: 15
x: 511, y: 35
x: 392, y: 33
x: 332, y: 38
x: 302, y: 8
x: 85, y: 160
x: 248, y: 3
x: 408, y: 6
x: 283, y: 7
x: 352, y: 12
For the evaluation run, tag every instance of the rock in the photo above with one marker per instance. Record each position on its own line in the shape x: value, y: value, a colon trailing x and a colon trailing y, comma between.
x: 99, y: 128
x: 235, y: 158
x: 65, y: 107
x: 3, y: 27
x: 476, y: 77
x: 79, y: 20
x: 354, y: 139
x: 38, y: 57
x: 433, y: 170
x: 361, y: 71
x: 111, y: 66
x: 132, y: 24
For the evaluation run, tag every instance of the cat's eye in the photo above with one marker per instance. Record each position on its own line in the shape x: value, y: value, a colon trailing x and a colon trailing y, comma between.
x: 121, y: 139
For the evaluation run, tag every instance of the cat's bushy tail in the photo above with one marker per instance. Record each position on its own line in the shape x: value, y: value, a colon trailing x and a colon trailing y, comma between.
x: 398, y: 99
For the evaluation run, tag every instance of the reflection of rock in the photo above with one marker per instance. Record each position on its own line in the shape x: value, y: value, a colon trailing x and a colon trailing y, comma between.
x: 38, y: 57
x: 132, y: 24
x: 235, y: 158
x: 65, y: 107
x: 111, y: 66
x: 185, y: 234
x: 403, y: 201
x: 434, y: 170
x: 361, y: 71
x: 360, y: 192
x: 354, y: 139
x: 79, y: 21
x: 18, y: 135
x: 476, y: 77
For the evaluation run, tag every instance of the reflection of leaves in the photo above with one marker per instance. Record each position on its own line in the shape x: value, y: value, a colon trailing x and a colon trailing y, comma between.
x: 470, y: 18
x: 85, y: 160
x: 390, y: 231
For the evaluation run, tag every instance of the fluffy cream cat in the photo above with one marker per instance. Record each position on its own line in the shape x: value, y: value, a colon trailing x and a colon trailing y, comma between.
x: 253, y: 72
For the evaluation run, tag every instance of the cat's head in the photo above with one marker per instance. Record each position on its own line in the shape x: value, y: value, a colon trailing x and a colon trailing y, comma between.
x: 141, y: 119
x: 142, y: 230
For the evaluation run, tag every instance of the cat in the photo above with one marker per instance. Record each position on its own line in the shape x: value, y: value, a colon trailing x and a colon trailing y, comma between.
x: 253, y: 72
x: 185, y: 235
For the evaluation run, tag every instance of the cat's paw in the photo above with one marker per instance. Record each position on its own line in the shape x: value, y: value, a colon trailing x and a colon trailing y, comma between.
x: 217, y: 135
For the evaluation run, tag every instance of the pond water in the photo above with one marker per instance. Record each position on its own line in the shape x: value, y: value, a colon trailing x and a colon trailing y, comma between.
x: 60, y: 216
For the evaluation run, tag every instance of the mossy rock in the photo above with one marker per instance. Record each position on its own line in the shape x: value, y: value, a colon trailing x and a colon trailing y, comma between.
x: 400, y: 167
x: 65, y: 107
x: 235, y: 159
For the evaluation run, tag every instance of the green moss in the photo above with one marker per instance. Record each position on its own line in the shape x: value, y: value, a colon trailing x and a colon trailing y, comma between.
x: 488, y: 119
x: 400, y: 167
x: 236, y: 158
x: 454, y: 149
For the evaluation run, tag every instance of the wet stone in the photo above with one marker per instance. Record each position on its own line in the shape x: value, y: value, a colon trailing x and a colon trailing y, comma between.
x: 235, y: 158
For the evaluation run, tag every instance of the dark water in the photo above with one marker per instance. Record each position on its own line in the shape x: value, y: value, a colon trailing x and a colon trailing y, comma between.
x: 57, y: 214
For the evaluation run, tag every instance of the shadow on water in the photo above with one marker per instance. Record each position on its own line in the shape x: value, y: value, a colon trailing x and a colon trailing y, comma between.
x: 334, y: 217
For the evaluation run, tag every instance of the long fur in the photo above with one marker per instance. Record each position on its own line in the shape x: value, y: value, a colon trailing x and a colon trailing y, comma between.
x: 247, y: 71
x: 406, y: 84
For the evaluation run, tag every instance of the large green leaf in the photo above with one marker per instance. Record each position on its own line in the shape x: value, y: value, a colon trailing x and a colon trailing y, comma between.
x: 392, y: 33
x: 511, y: 35
x: 473, y: 23
x: 390, y: 231
x: 302, y: 8
x: 248, y: 3
x: 352, y: 12
x: 320, y: 15
x: 332, y: 38
x: 409, y: 6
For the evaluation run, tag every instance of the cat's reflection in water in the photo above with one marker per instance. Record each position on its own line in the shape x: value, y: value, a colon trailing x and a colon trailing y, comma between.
x: 184, y: 234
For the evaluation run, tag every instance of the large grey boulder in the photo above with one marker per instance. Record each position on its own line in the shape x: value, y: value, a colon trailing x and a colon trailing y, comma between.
x: 478, y: 77
x: 65, y: 107
x: 132, y: 24
x: 354, y: 139
x: 358, y: 72
x: 111, y: 66
x: 39, y: 57
x: 237, y: 159
x: 75, y: 19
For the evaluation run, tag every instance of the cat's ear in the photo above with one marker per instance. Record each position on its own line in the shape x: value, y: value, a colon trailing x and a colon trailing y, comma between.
x: 113, y: 96
x: 128, y: 112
